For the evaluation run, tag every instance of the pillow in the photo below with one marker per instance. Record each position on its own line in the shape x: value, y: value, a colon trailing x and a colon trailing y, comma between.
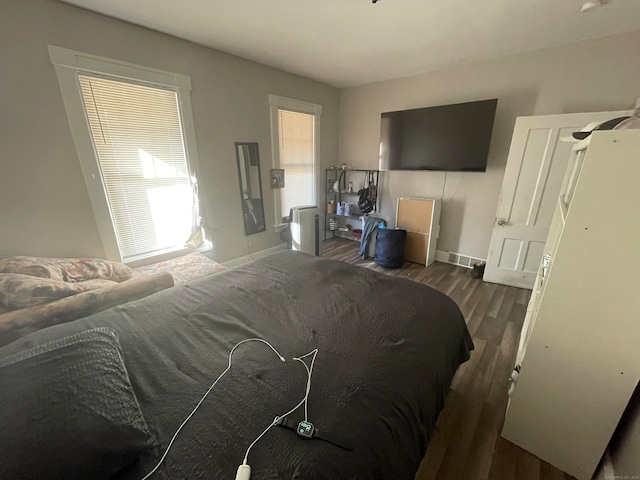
x: 68, y: 410
x: 66, y: 269
x: 20, y: 291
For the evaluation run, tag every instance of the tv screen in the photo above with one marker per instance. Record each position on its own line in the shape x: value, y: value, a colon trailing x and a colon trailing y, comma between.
x: 449, y: 137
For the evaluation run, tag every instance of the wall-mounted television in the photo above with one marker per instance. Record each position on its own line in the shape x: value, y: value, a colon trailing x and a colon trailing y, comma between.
x: 448, y: 137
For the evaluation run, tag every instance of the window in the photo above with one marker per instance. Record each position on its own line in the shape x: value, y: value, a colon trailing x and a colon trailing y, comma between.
x: 131, y: 138
x: 295, y: 130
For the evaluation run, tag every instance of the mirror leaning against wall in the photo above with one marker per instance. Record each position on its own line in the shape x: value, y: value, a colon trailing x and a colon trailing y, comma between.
x: 248, y: 159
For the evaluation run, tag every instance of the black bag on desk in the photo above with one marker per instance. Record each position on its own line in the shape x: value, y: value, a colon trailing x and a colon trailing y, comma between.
x: 390, y: 248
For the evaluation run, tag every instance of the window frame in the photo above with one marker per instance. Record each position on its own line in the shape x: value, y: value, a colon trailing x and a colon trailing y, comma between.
x: 276, y: 103
x: 68, y: 64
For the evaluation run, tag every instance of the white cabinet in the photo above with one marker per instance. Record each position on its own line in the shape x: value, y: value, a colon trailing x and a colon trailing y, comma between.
x: 580, y: 342
x: 421, y: 218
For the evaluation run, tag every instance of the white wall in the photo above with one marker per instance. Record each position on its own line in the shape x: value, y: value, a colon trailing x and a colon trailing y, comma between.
x: 44, y: 207
x: 590, y: 76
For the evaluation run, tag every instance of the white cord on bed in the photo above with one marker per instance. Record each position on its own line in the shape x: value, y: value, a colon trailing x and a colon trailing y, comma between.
x: 304, y: 400
x: 309, y: 373
x: 205, y: 396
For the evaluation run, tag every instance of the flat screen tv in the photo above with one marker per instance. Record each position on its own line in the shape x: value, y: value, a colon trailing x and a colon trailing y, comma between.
x: 448, y: 137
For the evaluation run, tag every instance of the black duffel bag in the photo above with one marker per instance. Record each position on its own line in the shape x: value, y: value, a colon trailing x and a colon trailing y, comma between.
x: 390, y: 248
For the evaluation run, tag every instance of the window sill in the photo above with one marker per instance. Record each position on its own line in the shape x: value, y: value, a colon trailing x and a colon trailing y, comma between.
x: 167, y: 254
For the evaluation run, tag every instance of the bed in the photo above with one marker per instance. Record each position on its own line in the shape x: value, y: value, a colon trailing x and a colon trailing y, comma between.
x: 387, y: 351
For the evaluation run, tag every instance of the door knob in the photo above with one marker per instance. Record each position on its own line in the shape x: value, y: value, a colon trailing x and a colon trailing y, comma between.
x: 501, y: 222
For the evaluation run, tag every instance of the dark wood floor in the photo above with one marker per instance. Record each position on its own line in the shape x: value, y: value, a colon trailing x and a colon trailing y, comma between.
x: 467, y: 443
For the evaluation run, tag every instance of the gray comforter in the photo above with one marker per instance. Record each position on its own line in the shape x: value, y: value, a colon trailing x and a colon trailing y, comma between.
x: 388, y: 349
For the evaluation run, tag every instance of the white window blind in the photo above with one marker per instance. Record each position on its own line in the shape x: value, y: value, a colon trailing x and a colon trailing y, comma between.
x: 296, y: 137
x: 137, y: 135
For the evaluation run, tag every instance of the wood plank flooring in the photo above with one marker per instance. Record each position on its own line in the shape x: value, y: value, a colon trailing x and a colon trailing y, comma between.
x: 467, y: 444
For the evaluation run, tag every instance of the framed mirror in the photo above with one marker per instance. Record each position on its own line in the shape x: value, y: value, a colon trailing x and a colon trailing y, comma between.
x: 248, y: 160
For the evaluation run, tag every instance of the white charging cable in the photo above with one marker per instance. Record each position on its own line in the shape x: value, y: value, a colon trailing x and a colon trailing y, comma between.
x: 205, y: 396
x: 313, y: 354
x: 244, y: 470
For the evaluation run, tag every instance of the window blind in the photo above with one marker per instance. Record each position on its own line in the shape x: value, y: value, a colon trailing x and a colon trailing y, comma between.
x: 137, y: 135
x: 296, y: 157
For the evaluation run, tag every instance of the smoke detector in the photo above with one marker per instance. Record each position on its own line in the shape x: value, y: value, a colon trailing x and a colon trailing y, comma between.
x: 588, y: 6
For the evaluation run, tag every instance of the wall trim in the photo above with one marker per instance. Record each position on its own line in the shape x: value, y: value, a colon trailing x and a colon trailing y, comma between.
x: 236, y: 262
x: 445, y: 257
x: 293, y: 104
x: 80, y: 61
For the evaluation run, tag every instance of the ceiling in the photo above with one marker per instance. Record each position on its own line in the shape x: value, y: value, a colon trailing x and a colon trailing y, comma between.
x: 352, y: 42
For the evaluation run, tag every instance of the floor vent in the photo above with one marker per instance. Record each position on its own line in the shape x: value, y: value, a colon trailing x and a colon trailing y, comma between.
x: 462, y: 260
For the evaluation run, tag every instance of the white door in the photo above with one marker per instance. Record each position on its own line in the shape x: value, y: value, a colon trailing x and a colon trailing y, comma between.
x: 530, y: 188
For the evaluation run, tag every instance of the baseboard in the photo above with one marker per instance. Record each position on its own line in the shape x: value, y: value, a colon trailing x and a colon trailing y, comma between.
x: 459, y: 259
x: 254, y: 256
